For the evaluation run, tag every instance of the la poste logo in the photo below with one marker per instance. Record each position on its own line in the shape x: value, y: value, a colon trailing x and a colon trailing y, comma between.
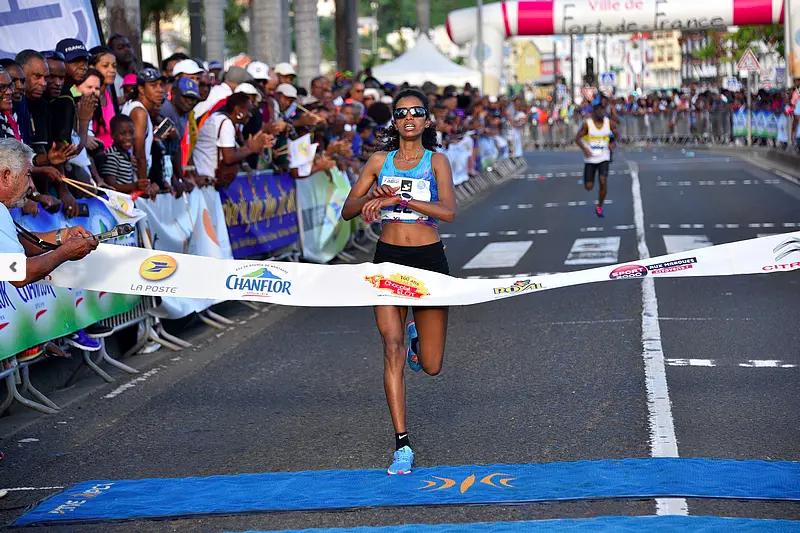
x: 158, y: 267
x: 399, y: 285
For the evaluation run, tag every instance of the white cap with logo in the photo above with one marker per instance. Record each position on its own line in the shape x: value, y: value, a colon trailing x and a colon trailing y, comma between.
x: 258, y: 70
x: 247, y: 88
x: 186, y: 66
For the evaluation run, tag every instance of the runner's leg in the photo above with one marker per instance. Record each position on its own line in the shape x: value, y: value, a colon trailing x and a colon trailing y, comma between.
x: 432, y: 329
x: 588, y: 176
x: 603, y: 171
x: 391, y: 325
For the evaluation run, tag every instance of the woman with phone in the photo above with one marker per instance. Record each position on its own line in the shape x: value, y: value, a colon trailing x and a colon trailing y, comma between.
x: 413, y: 191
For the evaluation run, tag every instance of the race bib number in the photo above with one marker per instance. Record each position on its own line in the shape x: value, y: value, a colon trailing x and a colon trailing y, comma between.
x: 419, y: 189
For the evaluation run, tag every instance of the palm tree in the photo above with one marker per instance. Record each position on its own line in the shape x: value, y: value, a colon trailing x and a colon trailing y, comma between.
x: 424, y: 16
x: 215, y: 29
x: 124, y: 18
x: 286, y: 31
x: 306, y: 32
x: 267, y: 20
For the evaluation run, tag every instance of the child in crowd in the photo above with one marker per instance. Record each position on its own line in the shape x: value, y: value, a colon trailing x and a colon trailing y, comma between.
x: 115, y: 165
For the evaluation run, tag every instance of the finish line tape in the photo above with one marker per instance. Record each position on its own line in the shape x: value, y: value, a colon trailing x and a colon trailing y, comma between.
x: 122, y: 269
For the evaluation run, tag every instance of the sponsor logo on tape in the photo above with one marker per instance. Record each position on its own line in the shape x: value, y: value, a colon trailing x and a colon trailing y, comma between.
x: 158, y: 267
x: 399, y: 285
x: 259, y: 280
x: 628, y: 271
x: 672, y: 266
x: 518, y: 286
x: 786, y: 248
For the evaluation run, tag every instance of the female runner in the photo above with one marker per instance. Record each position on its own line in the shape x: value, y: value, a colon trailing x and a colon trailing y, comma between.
x: 414, y: 190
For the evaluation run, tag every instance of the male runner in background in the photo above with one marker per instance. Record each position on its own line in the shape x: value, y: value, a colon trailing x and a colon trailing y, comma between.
x: 595, y: 139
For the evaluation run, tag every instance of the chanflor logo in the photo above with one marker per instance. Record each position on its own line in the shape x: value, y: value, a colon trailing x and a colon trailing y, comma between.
x: 399, y: 285
x: 158, y: 267
x: 257, y: 280
x: 518, y: 286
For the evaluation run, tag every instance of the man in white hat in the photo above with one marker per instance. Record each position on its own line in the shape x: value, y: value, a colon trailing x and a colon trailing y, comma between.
x: 286, y: 73
x: 187, y: 68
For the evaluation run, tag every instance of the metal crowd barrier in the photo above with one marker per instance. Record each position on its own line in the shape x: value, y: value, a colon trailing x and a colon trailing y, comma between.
x: 668, y: 128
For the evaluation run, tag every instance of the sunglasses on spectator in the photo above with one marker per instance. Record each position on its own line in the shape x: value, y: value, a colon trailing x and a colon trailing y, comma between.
x: 416, y: 112
x: 50, y: 54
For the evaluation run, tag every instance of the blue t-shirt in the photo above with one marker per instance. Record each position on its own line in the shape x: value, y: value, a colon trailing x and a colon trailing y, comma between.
x: 9, y: 242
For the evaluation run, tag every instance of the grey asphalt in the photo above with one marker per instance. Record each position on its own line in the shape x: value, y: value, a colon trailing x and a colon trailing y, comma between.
x: 551, y: 376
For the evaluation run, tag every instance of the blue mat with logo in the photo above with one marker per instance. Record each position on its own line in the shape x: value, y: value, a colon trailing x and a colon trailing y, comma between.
x: 106, y: 500
x: 603, y: 524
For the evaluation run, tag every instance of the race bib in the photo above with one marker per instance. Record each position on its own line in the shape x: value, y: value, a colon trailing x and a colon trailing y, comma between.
x: 419, y: 189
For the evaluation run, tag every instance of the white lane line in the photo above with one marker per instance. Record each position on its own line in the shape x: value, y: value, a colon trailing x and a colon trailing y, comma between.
x: 691, y: 362
x: 682, y: 243
x: 447, y: 235
x: 499, y: 255
x: 21, y: 489
x: 767, y: 363
x: 592, y: 229
x: 625, y: 226
x: 132, y: 383
x: 537, y: 231
x: 592, y: 251
x: 663, y: 442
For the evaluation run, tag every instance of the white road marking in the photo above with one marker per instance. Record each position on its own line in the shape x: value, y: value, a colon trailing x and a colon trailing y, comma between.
x: 682, y: 243
x: 767, y: 363
x: 499, y: 255
x: 537, y: 231
x: 691, y: 362
x: 132, y: 383
x: 625, y: 226
x: 592, y: 251
x: 573, y: 204
x: 663, y: 442
x: 24, y: 441
x: 524, y: 206
x: 592, y: 229
x: 447, y: 235
x: 19, y: 489
x: 508, y: 232
x: 504, y: 207
x: 483, y: 234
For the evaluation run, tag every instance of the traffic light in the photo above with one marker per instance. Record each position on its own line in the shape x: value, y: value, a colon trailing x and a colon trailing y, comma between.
x: 589, y: 78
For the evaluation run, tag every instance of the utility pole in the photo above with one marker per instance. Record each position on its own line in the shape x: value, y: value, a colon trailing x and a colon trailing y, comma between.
x: 788, y: 42
x: 571, y: 67
x: 196, y: 27
x: 480, y: 46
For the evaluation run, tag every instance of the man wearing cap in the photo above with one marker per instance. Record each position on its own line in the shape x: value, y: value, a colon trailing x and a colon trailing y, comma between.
x: 76, y: 60
x: 286, y: 73
x: 185, y: 96
x: 147, y: 98
x: 187, y: 68
x: 219, y: 93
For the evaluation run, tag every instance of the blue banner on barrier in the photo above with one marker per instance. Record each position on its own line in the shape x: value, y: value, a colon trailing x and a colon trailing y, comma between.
x: 260, y: 212
x: 104, y: 500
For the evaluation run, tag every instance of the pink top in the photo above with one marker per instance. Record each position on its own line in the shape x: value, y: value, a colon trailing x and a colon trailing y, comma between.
x: 103, y: 131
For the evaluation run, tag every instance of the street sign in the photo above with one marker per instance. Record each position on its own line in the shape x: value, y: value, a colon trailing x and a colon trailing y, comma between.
x: 607, y: 79
x: 732, y: 84
x: 748, y: 62
x: 780, y: 75
x: 588, y: 93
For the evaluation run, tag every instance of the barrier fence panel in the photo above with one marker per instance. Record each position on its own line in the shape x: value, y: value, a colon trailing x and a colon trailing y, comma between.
x: 39, y: 312
x: 320, y: 198
x: 260, y: 213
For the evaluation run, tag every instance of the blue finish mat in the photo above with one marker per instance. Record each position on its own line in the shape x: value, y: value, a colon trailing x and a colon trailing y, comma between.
x: 99, y: 501
x: 603, y: 524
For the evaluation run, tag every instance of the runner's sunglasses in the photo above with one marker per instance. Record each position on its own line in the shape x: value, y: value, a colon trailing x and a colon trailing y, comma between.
x: 416, y: 112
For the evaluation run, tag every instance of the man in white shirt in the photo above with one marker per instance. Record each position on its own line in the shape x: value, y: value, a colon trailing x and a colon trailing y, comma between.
x: 45, y: 251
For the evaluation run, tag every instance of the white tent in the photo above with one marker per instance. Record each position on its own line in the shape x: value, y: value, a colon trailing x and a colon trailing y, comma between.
x: 424, y: 63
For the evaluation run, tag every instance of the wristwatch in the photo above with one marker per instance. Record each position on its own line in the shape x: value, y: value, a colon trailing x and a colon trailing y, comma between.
x: 404, y: 199
x: 58, y: 237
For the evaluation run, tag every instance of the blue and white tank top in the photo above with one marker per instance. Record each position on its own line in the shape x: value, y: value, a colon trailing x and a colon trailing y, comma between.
x: 419, y: 182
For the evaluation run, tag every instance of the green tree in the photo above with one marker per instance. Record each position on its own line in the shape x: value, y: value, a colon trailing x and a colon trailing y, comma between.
x: 155, y: 11
x: 235, y: 36
x: 739, y: 41
x: 396, y: 14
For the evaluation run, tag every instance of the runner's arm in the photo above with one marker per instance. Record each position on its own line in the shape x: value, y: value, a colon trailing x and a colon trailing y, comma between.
x: 359, y: 193
x: 445, y: 208
x: 613, y: 143
x: 583, y: 132
x: 139, y: 117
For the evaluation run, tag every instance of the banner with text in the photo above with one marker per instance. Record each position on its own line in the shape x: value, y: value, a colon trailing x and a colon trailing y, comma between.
x: 121, y: 269
x: 260, y: 213
x: 184, y: 225
x: 40, y: 312
x: 320, y: 199
x: 40, y: 25
x: 764, y: 123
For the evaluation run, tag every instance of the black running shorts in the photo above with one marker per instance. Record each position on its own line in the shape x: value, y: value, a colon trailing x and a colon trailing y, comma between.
x: 429, y: 257
x: 592, y: 169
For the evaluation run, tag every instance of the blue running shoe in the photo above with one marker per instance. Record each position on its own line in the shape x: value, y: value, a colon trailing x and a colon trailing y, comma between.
x: 411, y: 354
x: 403, y: 460
x: 82, y: 341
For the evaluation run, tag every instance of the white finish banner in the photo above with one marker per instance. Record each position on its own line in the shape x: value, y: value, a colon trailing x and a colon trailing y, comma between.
x: 122, y: 269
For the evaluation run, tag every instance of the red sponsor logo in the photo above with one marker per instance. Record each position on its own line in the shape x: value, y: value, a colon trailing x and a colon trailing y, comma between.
x: 3, y: 325
x: 628, y: 271
x: 78, y: 301
x: 40, y: 313
x: 782, y: 266
x: 399, y: 285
